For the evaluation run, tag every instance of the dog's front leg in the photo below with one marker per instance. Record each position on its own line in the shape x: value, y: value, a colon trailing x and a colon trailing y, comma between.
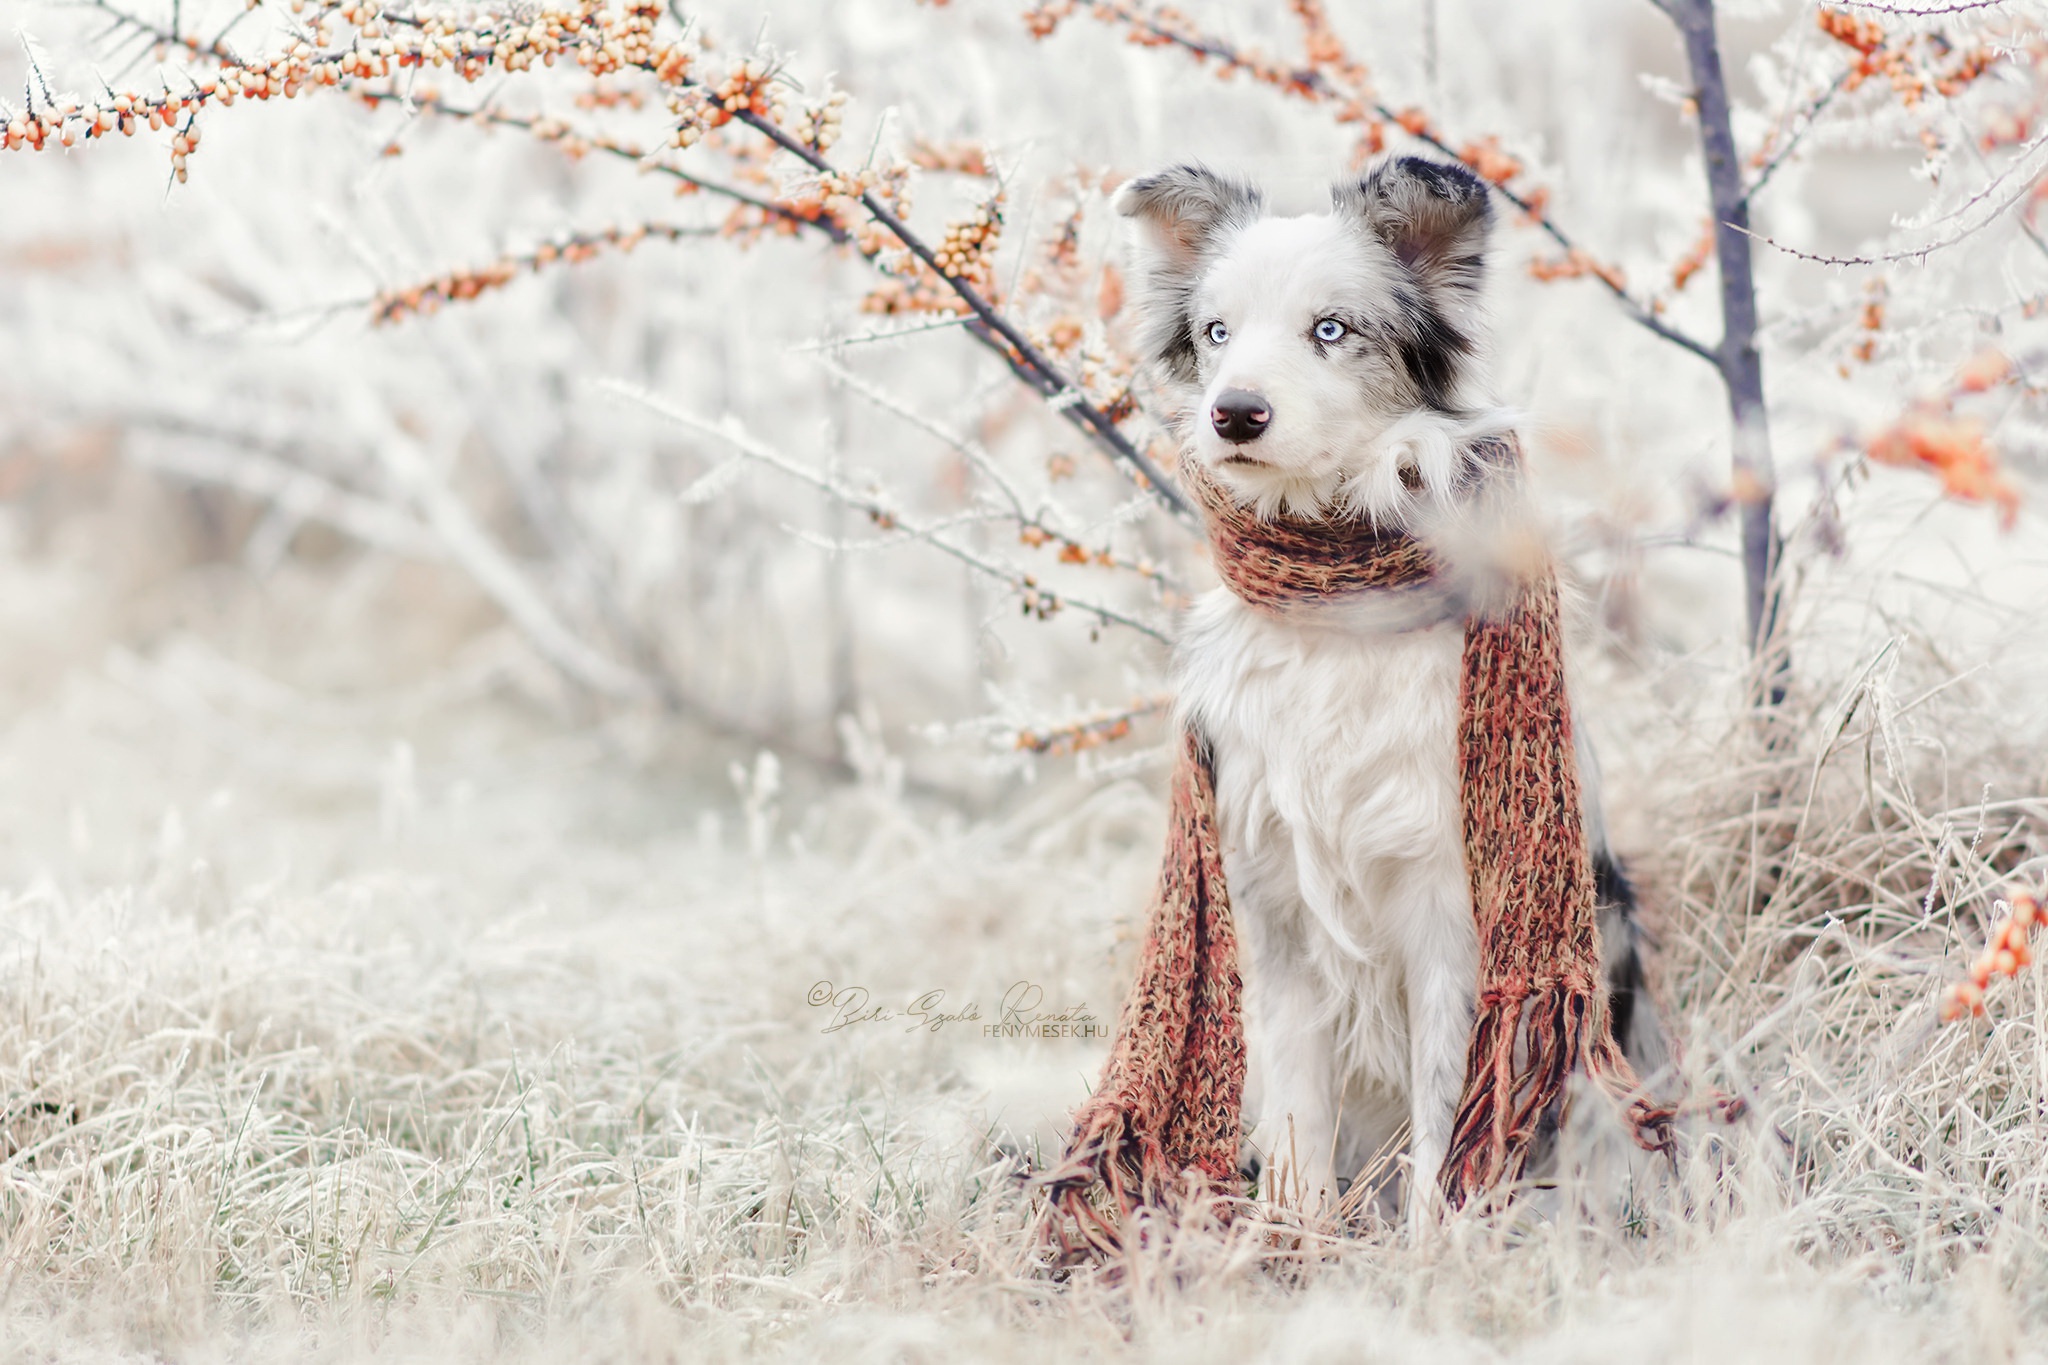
x: 1293, y: 1058
x: 1442, y: 974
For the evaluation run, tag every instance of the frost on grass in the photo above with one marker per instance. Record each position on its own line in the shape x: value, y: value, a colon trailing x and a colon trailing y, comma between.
x: 426, y: 1026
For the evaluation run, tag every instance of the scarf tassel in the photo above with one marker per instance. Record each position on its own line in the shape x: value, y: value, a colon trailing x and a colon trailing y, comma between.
x: 1556, y: 1029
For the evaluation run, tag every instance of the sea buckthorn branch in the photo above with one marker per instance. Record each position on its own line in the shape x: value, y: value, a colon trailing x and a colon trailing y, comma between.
x: 577, y: 142
x: 1878, y: 55
x: 392, y: 305
x: 1092, y: 731
x: 1025, y: 360
x: 1315, y: 82
x: 599, y: 42
x: 1036, y: 599
x: 2007, y: 952
x: 739, y: 98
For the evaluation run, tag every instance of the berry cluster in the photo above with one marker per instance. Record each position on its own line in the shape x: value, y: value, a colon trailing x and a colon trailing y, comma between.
x: 1934, y: 436
x: 1091, y: 731
x: 966, y: 254
x: 1877, y: 55
x: 1576, y: 264
x: 458, y: 286
x: 747, y: 88
x: 1071, y: 551
x: 2007, y: 952
x: 819, y: 126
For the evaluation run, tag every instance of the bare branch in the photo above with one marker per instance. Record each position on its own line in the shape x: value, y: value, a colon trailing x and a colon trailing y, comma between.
x: 493, y: 571
x: 1920, y: 253
x: 1038, y: 600
x: 1032, y: 527
x: 265, y: 471
x: 1916, y: 12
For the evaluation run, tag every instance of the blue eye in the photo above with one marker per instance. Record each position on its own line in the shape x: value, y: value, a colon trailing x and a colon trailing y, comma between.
x: 1218, y: 334
x: 1329, y: 329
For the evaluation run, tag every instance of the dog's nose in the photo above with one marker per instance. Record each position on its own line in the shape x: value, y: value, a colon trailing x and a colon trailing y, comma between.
x: 1240, y: 415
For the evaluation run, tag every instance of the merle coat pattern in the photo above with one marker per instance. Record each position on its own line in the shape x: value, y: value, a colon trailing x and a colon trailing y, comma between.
x: 1334, y: 364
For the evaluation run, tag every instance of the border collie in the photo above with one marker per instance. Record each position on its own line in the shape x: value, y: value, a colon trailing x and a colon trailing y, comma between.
x: 1333, y: 365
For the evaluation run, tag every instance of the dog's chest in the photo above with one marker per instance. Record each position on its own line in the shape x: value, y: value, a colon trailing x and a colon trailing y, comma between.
x: 1336, y: 771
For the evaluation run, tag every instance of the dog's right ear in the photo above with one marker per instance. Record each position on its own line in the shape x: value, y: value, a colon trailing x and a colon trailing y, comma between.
x: 1184, y: 210
x: 1183, y: 213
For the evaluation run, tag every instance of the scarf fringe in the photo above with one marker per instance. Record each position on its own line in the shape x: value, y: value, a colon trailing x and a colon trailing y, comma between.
x: 1558, y: 1029
x: 1110, y: 1172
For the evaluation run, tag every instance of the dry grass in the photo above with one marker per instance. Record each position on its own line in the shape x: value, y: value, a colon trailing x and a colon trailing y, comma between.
x: 495, y: 1046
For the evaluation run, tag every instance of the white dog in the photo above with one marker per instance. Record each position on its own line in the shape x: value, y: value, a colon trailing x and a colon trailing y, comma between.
x: 1332, y: 363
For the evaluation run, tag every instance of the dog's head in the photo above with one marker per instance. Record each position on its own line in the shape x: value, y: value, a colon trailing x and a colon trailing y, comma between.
x: 1326, y: 362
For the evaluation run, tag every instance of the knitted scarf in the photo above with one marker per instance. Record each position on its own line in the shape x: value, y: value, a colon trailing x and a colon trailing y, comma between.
x: 1164, y: 1123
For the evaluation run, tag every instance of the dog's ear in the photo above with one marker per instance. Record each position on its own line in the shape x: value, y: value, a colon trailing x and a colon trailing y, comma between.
x: 1184, y: 210
x: 1433, y: 215
x: 1183, y: 214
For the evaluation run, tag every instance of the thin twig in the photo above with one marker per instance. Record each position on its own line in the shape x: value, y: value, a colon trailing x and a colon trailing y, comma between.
x: 1914, y: 12
x: 1031, y: 525
x: 1808, y: 118
x: 1038, y: 599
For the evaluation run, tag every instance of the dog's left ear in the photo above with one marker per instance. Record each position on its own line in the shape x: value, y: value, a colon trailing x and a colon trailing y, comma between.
x: 1432, y: 214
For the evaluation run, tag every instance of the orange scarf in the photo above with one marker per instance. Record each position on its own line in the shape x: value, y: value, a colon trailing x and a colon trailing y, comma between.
x: 1165, y: 1121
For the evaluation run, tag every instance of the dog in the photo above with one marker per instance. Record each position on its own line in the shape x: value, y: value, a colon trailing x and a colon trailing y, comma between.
x: 1334, y: 365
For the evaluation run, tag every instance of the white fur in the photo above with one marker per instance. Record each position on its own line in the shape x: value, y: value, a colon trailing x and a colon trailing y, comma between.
x: 1337, y: 797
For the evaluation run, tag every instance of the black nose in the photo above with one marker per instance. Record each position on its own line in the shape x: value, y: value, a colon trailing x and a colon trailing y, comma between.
x: 1240, y: 415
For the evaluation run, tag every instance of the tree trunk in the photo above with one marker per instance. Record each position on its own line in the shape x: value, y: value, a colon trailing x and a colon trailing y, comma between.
x: 1741, y: 368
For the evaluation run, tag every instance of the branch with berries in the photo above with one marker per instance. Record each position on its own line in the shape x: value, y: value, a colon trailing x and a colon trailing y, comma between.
x: 861, y: 209
x: 1091, y: 731
x: 2008, y: 951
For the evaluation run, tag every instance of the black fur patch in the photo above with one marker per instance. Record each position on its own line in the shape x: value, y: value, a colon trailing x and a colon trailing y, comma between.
x: 1446, y: 181
x: 1431, y: 351
x: 1617, y: 895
